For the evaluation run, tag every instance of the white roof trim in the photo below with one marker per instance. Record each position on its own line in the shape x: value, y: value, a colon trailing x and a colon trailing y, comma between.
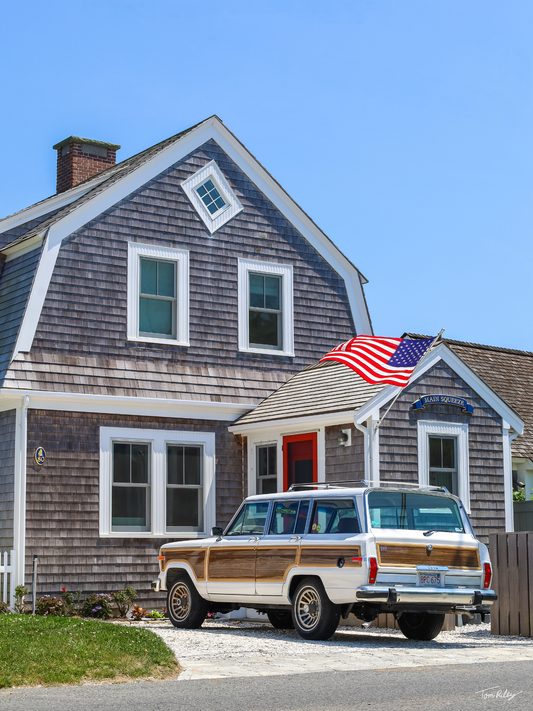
x: 442, y: 352
x: 309, y: 421
x: 214, y: 129
x: 151, y: 407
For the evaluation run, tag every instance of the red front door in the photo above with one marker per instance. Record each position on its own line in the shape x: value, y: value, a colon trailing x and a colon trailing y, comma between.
x: 299, y: 459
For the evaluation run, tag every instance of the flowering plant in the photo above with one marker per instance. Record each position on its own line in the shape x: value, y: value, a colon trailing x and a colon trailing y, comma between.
x: 98, y: 605
x: 138, y: 612
x: 4, y: 608
x: 52, y: 606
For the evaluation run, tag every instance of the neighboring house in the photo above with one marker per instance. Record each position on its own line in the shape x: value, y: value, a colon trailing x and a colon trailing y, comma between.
x: 320, y: 426
x: 143, y: 309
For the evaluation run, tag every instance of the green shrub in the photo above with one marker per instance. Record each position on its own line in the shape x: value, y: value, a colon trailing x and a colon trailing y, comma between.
x: 20, y: 592
x: 98, y: 605
x: 124, y: 599
x: 155, y: 615
x: 47, y: 605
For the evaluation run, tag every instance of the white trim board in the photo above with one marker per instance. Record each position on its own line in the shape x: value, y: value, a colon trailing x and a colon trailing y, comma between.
x: 116, y: 405
x: 344, y: 417
x: 214, y: 129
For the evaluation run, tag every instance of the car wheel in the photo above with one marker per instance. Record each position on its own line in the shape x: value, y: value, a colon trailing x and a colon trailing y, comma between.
x: 280, y: 619
x: 186, y: 608
x: 420, y: 625
x: 313, y: 613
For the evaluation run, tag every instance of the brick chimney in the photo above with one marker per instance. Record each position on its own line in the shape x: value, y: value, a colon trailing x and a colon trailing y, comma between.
x: 81, y: 158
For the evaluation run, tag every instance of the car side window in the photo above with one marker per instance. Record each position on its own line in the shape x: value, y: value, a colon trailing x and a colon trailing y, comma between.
x: 284, y: 517
x: 250, y: 521
x: 335, y: 516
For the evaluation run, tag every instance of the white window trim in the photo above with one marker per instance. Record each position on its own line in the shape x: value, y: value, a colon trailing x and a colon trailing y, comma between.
x: 181, y: 258
x: 445, y: 429
x: 158, y: 440
x: 233, y: 206
x: 287, y: 304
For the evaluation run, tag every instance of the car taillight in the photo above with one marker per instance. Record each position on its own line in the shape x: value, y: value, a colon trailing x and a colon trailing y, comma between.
x: 372, y: 570
x: 487, y: 576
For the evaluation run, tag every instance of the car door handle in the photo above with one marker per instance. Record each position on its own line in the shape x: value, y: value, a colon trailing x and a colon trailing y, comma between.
x: 253, y: 538
x: 295, y: 538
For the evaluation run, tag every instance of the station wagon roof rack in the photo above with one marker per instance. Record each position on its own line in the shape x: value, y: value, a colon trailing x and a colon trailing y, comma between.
x: 362, y: 482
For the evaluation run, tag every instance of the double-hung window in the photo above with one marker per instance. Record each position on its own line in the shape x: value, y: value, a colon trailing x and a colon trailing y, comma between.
x: 266, y: 320
x: 267, y: 475
x: 156, y: 483
x: 443, y: 463
x: 158, y: 294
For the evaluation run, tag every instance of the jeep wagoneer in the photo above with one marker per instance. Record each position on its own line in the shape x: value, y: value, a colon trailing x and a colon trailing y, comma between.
x: 314, y: 554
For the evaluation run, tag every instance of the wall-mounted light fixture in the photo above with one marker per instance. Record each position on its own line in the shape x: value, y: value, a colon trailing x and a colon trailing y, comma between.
x: 345, y: 438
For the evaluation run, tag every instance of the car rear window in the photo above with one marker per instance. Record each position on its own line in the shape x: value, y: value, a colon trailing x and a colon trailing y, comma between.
x: 414, y: 512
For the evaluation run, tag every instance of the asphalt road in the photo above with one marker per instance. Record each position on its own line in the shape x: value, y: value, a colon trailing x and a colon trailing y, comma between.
x: 468, y: 687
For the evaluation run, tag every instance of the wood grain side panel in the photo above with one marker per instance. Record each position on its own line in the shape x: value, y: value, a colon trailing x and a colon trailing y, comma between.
x: 231, y: 564
x: 273, y: 564
x: 195, y: 557
x: 411, y: 555
x: 327, y: 556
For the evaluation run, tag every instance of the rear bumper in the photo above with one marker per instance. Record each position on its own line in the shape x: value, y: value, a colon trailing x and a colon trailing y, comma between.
x: 425, y: 596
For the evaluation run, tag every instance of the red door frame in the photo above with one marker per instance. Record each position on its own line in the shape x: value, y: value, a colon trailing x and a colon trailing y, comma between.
x: 308, y: 436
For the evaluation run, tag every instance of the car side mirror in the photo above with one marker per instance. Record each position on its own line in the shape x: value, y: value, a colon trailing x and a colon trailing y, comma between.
x: 216, y: 531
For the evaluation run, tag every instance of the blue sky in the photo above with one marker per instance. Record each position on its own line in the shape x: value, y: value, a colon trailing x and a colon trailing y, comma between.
x: 403, y: 127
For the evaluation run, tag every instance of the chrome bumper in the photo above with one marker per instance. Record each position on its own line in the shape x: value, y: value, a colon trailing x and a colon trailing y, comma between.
x: 156, y: 585
x: 425, y: 595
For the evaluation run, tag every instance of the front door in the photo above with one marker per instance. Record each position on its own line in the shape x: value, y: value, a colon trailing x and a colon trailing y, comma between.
x: 231, y: 560
x: 278, y: 550
x: 299, y: 459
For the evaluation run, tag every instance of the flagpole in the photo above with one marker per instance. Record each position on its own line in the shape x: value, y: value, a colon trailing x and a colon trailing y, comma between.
x: 400, y: 391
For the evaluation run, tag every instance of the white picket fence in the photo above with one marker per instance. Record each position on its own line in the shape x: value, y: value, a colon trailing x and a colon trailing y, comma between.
x: 7, y: 578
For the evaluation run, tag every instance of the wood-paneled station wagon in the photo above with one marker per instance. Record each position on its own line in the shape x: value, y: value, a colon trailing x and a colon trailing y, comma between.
x: 308, y: 556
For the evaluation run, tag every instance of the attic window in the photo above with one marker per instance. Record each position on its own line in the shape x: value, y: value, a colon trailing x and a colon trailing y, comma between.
x: 211, y: 196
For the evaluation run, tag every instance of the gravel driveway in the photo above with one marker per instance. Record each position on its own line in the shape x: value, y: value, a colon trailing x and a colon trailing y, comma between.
x: 229, y: 648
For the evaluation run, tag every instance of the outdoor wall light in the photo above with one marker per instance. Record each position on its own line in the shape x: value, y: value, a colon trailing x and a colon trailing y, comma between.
x: 345, y: 438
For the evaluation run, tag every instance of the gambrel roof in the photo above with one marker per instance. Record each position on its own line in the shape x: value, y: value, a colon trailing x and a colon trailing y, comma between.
x: 54, y: 219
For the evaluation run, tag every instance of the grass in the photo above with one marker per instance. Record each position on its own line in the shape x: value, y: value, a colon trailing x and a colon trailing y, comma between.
x: 63, y: 650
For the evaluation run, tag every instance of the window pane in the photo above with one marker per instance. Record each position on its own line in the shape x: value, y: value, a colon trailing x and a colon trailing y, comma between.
x: 236, y: 528
x: 193, y: 466
x: 435, y: 452
x: 284, y: 517
x: 448, y: 453
x: 208, y: 185
x: 184, y: 508
x: 272, y: 464
x: 442, y: 479
x: 264, y: 329
x: 302, y: 517
x: 334, y: 517
x: 175, y: 464
x: 121, y: 462
x: 272, y: 300
x: 267, y: 486
x: 139, y: 463
x: 129, y: 506
x: 148, y: 276
x: 165, y: 279
x: 257, y: 291
x: 155, y: 316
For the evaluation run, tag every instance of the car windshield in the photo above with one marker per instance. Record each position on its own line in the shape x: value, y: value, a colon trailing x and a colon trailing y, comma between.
x: 414, y: 512
x: 250, y: 521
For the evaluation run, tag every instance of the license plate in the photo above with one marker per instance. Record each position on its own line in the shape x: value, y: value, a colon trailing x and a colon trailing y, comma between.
x: 429, y: 579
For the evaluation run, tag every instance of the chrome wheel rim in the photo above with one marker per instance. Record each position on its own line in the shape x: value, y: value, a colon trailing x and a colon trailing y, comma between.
x: 180, y: 605
x: 308, y: 608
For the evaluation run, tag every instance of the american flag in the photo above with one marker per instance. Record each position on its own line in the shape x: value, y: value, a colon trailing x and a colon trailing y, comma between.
x: 381, y: 360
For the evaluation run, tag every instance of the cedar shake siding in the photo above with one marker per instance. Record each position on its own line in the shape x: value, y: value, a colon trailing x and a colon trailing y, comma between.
x: 14, y: 233
x: 398, y: 443
x: 81, y: 341
x: 62, y: 510
x: 7, y: 478
x: 344, y: 463
x: 15, y: 283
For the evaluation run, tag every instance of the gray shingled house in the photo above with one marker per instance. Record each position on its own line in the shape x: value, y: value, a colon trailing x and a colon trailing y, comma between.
x: 143, y: 309
x: 454, y: 426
